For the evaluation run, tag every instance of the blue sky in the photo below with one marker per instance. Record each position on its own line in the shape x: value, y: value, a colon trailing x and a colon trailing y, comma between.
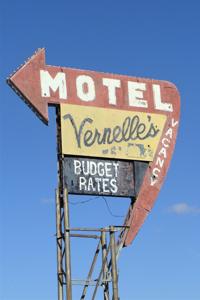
x: 151, y: 39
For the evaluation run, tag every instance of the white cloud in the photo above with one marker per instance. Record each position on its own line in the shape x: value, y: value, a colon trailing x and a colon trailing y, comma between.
x: 183, y: 209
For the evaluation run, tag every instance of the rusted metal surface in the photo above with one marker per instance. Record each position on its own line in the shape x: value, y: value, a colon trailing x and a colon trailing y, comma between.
x: 104, y: 263
x: 108, y: 268
x: 67, y: 246
x: 91, y: 270
x: 105, y: 229
x: 105, y: 268
x: 40, y: 84
x: 155, y: 173
x: 62, y: 225
x: 99, y: 177
x: 89, y: 236
x: 103, y: 177
x: 114, y: 264
x: 59, y: 245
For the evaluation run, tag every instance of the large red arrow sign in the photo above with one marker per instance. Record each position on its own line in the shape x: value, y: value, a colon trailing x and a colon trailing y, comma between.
x: 40, y: 84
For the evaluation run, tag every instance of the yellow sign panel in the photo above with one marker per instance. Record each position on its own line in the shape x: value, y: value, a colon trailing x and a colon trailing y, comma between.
x: 110, y: 133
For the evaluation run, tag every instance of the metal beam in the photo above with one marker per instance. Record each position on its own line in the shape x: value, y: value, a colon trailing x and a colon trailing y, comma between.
x: 67, y: 246
x: 114, y: 264
x: 91, y: 271
x: 105, y: 266
x: 100, y: 274
x: 59, y: 247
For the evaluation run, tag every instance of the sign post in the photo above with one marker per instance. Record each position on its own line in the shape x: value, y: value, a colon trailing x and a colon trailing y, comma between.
x: 115, y: 136
x: 62, y: 224
x: 114, y: 263
x: 59, y: 240
x: 67, y: 246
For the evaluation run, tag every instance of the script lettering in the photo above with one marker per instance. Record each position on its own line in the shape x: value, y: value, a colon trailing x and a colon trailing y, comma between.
x: 131, y: 129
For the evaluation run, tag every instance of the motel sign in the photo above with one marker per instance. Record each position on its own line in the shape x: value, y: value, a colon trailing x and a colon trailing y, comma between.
x: 117, y: 132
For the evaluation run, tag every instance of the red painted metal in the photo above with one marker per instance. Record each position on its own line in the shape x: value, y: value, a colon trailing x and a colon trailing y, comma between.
x: 26, y: 82
x: 148, y: 193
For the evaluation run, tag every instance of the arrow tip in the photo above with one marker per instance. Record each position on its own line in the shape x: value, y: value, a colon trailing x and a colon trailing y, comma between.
x: 25, y: 81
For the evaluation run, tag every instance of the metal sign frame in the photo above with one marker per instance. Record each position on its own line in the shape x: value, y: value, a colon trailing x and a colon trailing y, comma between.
x: 40, y: 85
x: 108, y: 271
